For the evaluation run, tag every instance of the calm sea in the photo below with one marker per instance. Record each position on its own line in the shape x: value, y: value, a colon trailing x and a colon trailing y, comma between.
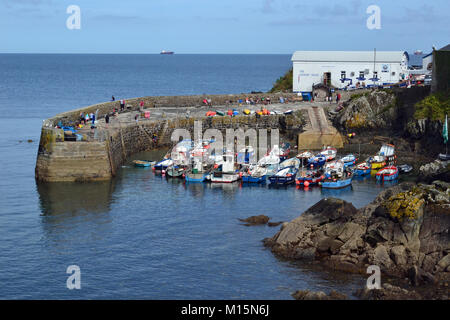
x: 140, y: 236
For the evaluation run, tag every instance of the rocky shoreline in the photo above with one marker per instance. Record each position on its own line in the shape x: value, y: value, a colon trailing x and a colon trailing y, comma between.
x: 404, y: 231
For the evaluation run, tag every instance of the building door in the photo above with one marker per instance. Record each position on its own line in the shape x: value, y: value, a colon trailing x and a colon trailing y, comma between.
x: 327, y: 78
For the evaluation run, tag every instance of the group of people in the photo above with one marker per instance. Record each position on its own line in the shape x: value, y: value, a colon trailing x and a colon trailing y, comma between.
x: 85, y: 118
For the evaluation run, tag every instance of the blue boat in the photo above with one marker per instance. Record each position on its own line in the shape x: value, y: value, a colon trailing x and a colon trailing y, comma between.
x: 337, y: 176
x: 334, y: 183
x: 195, y: 177
x: 362, y: 169
x: 163, y: 164
x: 387, y: 174
x: 250, y: 179
x: 349, y: 160
x: 143, y: 163
x: 287, y: 172
x: 317, y: 161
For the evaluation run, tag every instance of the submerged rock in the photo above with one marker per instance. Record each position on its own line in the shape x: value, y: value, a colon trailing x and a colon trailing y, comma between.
x: 255, y: 220
x: 405, y: 226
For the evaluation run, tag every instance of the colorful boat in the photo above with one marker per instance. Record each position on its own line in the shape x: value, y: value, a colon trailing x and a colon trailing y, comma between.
x: 404, y: 168
x: 386, y: 156
x: 329, y: 152
x: 143, y: 163
x: 247, y: 111
x: 287, y: 172
x: 220, y: 113
x: 349, y: 160
x: 309, y: 177
x: 362, y: 169
x: 387, y: 173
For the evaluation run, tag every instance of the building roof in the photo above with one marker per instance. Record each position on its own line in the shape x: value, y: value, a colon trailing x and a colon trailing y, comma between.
x: 348, y: 56
x: 446, y: 48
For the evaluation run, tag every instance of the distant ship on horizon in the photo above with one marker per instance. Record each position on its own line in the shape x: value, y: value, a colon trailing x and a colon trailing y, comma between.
x: 166, y: 52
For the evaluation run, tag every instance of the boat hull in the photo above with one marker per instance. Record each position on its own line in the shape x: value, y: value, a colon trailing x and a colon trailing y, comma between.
x: 280, y: 180
x: 312, y: 181
x: 250, y: 179
x: 225, y: 178
x: 338, y: 184
x: 377, y: 165
x: 362, y: 172
x: 195, y: 177
x: 387, y: 177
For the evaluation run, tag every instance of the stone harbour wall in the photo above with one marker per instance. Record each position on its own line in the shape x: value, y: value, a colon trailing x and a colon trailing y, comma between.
x: 99, y: 159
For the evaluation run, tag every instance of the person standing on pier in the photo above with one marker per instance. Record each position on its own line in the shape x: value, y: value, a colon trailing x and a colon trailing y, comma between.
x: 106, y: 120
x: 113, y: 98
x: 122, y: 104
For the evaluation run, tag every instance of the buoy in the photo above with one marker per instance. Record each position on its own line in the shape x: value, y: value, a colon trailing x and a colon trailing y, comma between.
x: 306, y: 184
x: 163, y: 171
x: 297, y: 182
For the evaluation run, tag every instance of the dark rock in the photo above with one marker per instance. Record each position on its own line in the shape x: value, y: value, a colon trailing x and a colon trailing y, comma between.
x: 387, y: 292
x: 255, y: 220
x: 274, y: 224
x: 318, y: 295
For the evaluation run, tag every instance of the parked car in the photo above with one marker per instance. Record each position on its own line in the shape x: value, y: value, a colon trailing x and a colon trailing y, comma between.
x: 427, y: 80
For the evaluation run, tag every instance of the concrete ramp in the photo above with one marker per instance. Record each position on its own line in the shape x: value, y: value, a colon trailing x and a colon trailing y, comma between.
x: 319, y: 132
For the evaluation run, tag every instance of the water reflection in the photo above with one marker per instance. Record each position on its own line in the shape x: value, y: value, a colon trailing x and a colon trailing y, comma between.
x: 336, y: 192
x: 60, y: 198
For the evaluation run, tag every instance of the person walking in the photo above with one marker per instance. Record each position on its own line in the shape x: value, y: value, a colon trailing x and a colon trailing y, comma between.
x: 106, y: 120
x: 122, y: 104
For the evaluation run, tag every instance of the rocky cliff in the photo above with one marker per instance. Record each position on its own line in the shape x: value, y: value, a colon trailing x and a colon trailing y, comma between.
x: 405, y: 231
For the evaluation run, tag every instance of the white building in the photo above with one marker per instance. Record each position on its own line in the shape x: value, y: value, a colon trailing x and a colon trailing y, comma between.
x: 343, y: 68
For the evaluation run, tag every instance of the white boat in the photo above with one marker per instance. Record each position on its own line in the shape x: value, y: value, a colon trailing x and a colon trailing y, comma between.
x: 329, y: 152
x: 225, y: 171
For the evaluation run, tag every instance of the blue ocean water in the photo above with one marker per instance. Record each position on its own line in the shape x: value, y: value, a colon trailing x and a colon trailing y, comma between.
x: 140, y: 236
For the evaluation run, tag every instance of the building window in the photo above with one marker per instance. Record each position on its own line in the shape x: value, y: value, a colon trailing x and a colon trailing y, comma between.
x: 361, y: 74
x: 375, y: 75
x: 343, y: 75
x: 352, y: 74
x: 393, y: 73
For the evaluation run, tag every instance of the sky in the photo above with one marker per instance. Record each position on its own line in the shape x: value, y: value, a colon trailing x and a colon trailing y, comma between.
x: 212, y: 26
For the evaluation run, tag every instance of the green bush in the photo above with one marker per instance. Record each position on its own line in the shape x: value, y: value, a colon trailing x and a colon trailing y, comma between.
x: 283, y: 83
x: 433, y: 107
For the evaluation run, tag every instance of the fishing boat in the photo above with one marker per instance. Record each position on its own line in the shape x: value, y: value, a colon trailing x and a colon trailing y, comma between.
x: 255, y: 174
x: 362, y: 169
x: 349, y: 160
x: 143, y: 163
x: 196, y: 173
x: 309, y: 177
x: 225, y: 171
x: 163, y: 164
x: 387, y: 173
x: 330, y: 153
x: 271, y: 161
x: 166, y: 52
x: 176, y: 171
x: 337, y: 176
x: 304, y: 157
x: 220, y: 113
x: 317, y: 161
x: 284, y: 151
x: 286, y: 173
x: 386, y: 156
